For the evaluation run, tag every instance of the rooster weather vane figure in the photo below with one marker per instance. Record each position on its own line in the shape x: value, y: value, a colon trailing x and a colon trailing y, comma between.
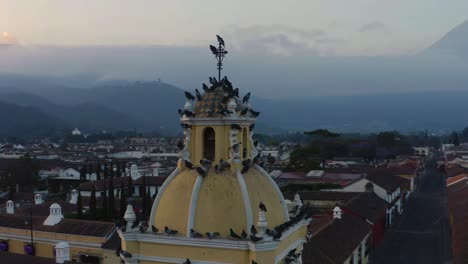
x: 219, y: 53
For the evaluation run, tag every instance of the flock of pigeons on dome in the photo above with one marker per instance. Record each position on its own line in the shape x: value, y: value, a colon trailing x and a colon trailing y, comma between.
x: 206, y: 165
x: 275, y: 233
x: 243, y: 106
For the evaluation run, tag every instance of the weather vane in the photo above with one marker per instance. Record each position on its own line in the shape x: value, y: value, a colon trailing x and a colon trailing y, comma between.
x: 219, y: 53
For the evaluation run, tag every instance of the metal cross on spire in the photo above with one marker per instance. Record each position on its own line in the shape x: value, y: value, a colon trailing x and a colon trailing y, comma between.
x: 219, y: 53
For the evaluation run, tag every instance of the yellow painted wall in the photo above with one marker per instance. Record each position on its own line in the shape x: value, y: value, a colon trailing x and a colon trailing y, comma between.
x: 223, y: 143
x: 173, y: 207
x: 220, y: 205
x: 260, y: 189
x: 46, y: 249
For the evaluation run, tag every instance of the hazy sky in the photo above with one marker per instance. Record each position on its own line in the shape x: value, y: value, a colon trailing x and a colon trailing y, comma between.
x: 351, y: 27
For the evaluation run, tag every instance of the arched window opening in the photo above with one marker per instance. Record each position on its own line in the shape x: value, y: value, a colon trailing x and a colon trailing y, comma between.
x: 209, y: 143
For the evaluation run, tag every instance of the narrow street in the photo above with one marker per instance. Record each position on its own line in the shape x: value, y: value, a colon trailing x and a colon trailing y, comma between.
x: 422, y: 234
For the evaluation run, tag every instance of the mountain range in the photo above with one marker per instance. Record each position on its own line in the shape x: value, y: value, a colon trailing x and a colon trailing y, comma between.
x: 35, y: 104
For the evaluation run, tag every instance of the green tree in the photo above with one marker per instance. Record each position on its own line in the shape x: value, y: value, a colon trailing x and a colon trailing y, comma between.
x: 106, y: 173
x: 83, y: 172
x: 323, y: 133
x: 98, y: 171
x: 111, y: 197
x: 79, y: 206
x: 92, y: 204
x: 123, y: 200
x: 104, y: 200
x: 455, y: 139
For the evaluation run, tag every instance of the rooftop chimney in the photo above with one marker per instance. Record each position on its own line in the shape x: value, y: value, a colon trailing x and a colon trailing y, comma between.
x: 10, y: 207
x: 337, y: 212
x: 62, y: 252
x: 74, y: 196
x: 38, y: 199
x: 55, y: 215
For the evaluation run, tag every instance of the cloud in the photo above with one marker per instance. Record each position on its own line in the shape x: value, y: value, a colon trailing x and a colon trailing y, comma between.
x: 277, y: 39
x: 6, y: 39
x: 375, y: 26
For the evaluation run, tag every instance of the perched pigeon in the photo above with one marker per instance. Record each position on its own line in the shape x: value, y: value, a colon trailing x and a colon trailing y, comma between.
x: 211, y: 235
x: 253, y: 230
x: 255, y: 238
x: 201, y: 171
x: 262, y: 207
x: 154, y: 229
x: 169, y: 231
x: 245, y: 169
x: 195, y: 234
x: 233, y: 234
x: 246, y: 98
x: 198, y: 95
x: 189, y: 96
x: 244, y: 234
x: 188, y: 164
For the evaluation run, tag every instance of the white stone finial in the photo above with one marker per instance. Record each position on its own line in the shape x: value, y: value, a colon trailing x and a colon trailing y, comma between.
x: 129, y: 217
x: 74, y: 196
x: 297, y: 200
x: 231, y: 107
x: 62, y: 252
x: 262, y: 223
x: 10, y: 207
x: 134, y: 173
x: 337, y: 212
x: 188, y: 106
x: 55, y: 215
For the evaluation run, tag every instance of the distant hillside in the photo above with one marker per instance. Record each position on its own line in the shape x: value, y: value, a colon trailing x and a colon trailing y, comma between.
x: 87, y: 116
x: 455, y: 42
x: 26, y: 121
x: 142, y: 105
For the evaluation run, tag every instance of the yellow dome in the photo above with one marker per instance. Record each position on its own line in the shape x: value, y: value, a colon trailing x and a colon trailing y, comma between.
x: 218, y: 202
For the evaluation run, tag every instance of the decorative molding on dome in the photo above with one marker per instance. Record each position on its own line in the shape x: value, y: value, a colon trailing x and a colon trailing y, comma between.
x: 174, y: 260
x: 160, y: 193
x: 201, y: 242
x: 283, y: 254
x: 50, y: 241
x: 193, y: 204
x: 278, y: 191
x: 246, y: 200
x: 207, y: 121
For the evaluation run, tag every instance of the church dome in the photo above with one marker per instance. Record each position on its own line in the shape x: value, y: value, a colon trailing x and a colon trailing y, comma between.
x: 211, y: 104
x: 218, y: 201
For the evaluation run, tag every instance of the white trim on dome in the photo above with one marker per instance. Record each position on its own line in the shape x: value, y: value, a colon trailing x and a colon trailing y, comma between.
x: 160, y: 192
x: 193, y: 204
x: 283, y: 254
x: 246, y: 199
x: 277, y: 189
x: 208, y: 121
x: 173, y: 260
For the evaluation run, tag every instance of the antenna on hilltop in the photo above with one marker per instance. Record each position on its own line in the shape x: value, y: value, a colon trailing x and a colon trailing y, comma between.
x: 219, y: 53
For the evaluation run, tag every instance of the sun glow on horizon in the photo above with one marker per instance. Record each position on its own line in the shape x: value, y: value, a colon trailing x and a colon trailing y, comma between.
x: 5, y: 34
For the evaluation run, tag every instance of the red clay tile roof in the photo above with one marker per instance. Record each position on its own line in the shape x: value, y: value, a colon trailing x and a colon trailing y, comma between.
x: 99, y: 185
x: 458, y: 208
x: 454, y: 170
x: 322, y: 196
x: 66, y: 226
x: 367, y: 205
x: 453, y: 180
x: 337, y: 241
